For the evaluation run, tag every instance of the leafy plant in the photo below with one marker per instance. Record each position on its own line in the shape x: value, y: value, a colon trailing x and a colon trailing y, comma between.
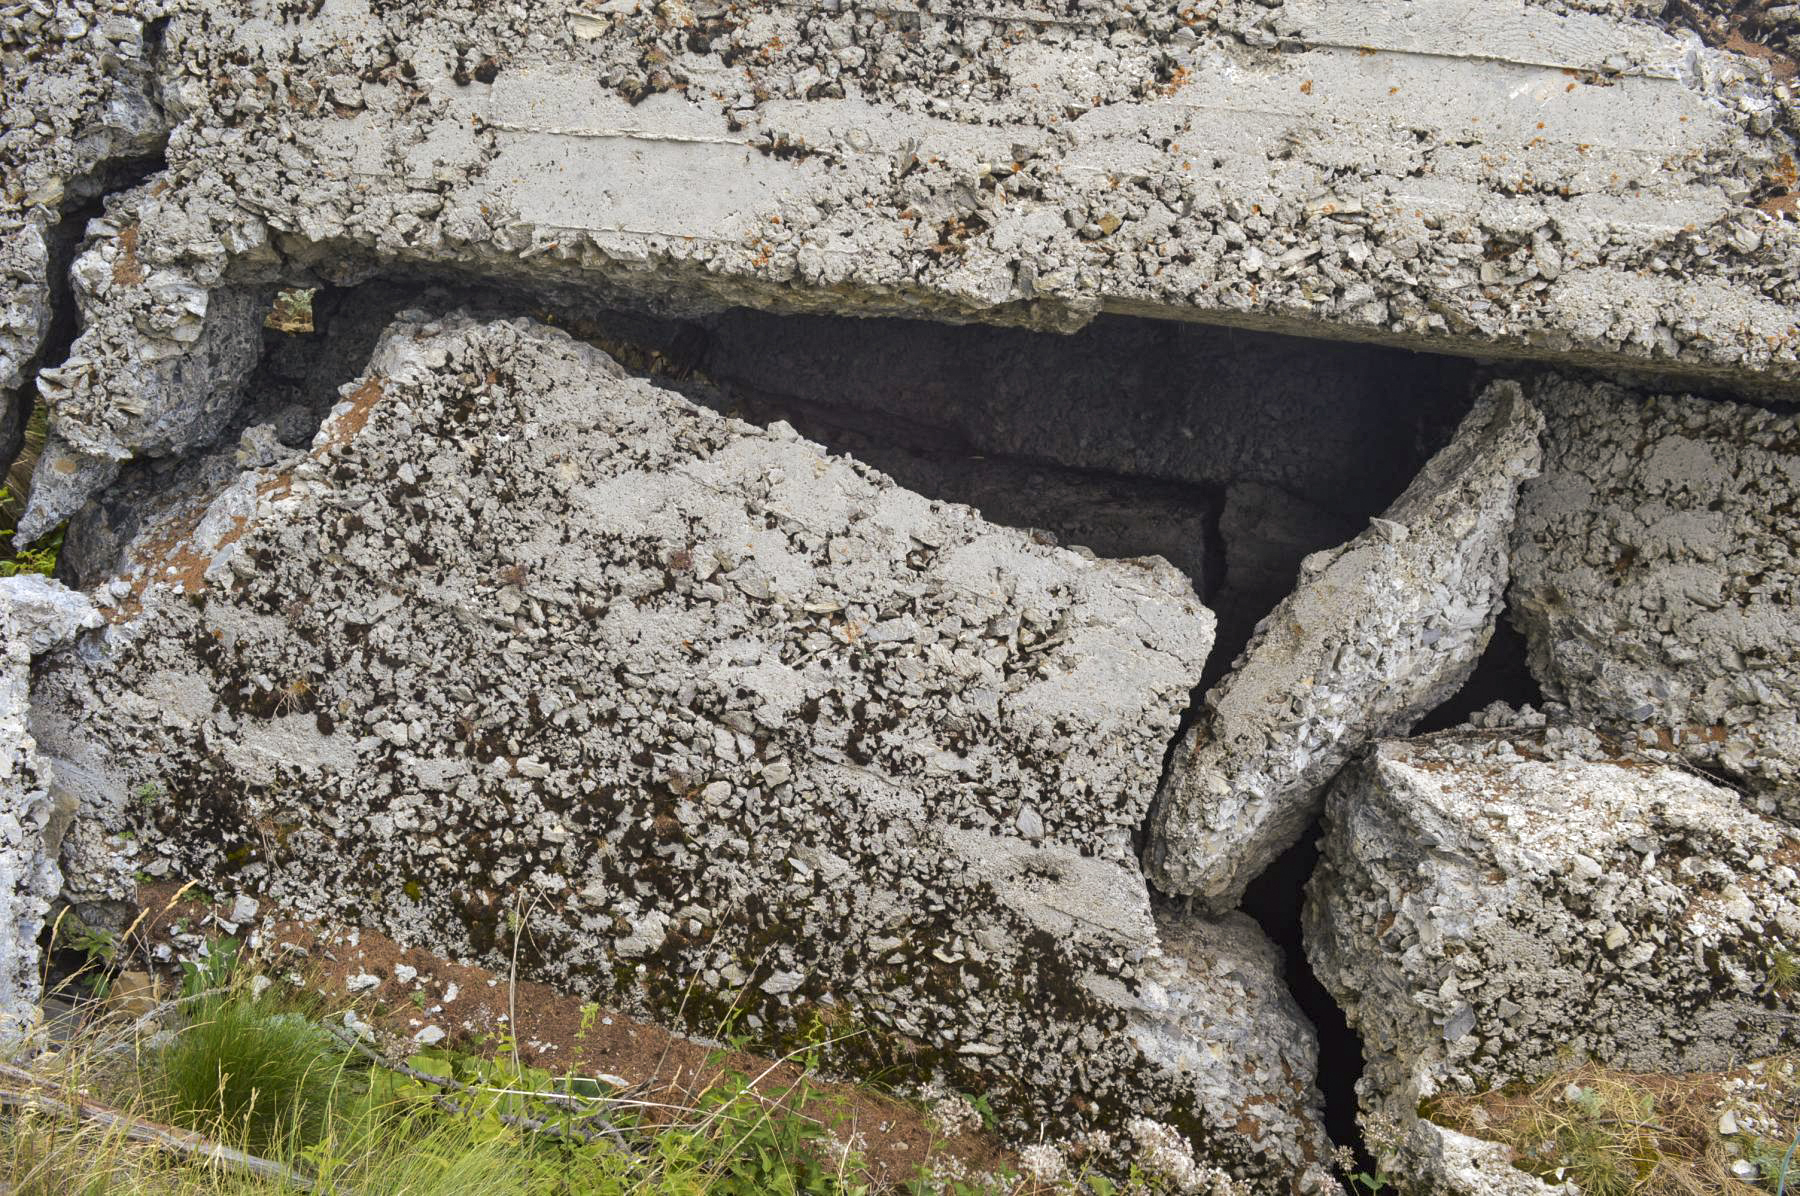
x: 39, y: 558
x: 100, y: 946
x: 1363, y: 1181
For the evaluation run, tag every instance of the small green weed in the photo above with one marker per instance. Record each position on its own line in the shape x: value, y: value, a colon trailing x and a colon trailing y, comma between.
x: 39, y: 558
x: 100, y: 946
x: 251, y: 1065
x: 1784, y: 970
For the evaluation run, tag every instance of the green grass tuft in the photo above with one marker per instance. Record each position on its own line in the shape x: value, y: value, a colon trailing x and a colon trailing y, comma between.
x: 250, y: 1073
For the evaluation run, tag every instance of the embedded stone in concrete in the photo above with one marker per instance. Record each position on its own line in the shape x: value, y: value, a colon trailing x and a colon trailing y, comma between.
x: 1378, y: 632
x: 36, y: 615
x: 719, y: 717
x: 1492, y: 904
x: 1655, y: 578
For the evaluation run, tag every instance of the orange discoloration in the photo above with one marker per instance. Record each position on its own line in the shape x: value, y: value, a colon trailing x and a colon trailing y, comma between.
x: 346, y: 425
x: 126, y: 269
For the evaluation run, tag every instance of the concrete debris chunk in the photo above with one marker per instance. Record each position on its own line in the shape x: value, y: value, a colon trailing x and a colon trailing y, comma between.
x: 724, y: 717
x: 1655, y: 575
x: 1491, y: 904
x: 36, y: 615
x: 76, y: 108
x: 163, y: 352
x: 1378, y: 632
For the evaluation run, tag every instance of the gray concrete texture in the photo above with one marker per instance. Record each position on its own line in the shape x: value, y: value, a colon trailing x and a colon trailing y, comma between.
x: 77, y: 101
x: 1479, y: 176
x: 36, y: 615
x: 1656, y: 574
x: 1377, y: 632
x: 1494, y: 903
x: 721, y: 716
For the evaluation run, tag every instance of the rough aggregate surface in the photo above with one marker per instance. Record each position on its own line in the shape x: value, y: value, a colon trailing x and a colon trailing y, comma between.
x: 1377, y: 632
x: 1655, y: 578
x: 36, y: 615
x: 1574, y: 184
x: 78, y: 99
x: 713, y: 714
x: 1490, y: 903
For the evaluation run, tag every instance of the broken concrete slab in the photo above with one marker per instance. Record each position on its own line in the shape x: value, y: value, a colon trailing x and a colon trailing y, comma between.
x: 1491, y: 904
x: 718, y: 718
x: 1378, y: 632
x: 1655, y: 577
x: 162, y: 353
x: 36, y: 615
x: 78, y: 103
x: 1572, y: 185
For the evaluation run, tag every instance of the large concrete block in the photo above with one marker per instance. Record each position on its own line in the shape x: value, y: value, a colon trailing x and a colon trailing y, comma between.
x: 1480, y: 176
x: 1656, y: 573
x: 1491, y: 905
x: 527, y: 655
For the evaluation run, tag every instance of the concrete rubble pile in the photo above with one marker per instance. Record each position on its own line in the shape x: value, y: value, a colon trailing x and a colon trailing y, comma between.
x: 1377, y: 633
x: 844, y: 749
x: 506, y: 610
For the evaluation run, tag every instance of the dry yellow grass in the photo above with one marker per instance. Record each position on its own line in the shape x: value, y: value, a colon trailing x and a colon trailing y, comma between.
x: 1630, y: 1134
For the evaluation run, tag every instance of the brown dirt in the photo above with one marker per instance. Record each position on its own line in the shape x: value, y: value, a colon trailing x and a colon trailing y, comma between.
x: 899, y: 1138
x: 126, y: 269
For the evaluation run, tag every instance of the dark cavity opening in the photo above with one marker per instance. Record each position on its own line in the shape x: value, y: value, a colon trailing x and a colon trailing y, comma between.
x: 1275, y: 900
x: 1501, y: 675
x: 1232, y: 454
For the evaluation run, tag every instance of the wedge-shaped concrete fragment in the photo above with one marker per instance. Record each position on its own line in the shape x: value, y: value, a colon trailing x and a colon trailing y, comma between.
x: 36, y: 614
x: 1492, y: 904
x: 719, y: 718
x: 1378, y: 631
x: 1656, y: 573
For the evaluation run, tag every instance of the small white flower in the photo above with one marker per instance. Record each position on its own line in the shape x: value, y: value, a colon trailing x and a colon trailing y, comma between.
x: 1044, y: 1163
x: 955, y: 1116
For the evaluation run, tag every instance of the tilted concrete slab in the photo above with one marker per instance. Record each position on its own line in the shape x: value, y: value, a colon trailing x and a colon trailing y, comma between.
x: 734, y: 727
